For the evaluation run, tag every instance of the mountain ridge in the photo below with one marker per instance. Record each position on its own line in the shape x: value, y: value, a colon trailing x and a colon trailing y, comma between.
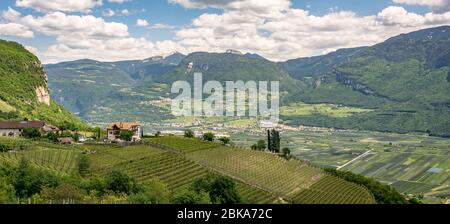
x: 409, y: 72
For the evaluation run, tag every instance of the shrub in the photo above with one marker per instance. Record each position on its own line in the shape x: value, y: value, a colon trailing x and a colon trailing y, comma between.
x: 225, y: 140
x: 62, y: 193
x: 118, y: 182
x: 52, y: 137
x: 31, y: 133
x: 5, y: 148
x: 221, y: 189
x: 188, y: 196
x: 28, y: 181
x: 209, y: 137
x: 286, y: 153
x: 188, y: 134
x: 126, y: 135
x: 154, y: 192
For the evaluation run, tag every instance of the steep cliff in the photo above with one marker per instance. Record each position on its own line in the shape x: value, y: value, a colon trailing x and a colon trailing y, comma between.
x: 24, y: 90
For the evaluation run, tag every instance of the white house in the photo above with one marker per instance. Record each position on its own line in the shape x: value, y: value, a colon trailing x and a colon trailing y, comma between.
x: 15, y: 128
x: 114, y: 130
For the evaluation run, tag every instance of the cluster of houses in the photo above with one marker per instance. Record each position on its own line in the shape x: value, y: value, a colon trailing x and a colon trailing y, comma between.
x: 16, y: 128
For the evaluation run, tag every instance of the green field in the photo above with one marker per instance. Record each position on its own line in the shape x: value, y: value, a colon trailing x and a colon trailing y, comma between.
x: 260, y: 177
x: 303, y: 109
x: 412, y: 163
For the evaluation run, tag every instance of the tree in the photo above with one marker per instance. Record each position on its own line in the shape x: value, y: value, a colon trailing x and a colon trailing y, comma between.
x: 209, y: 137
x: 52, y: 137
x: 126, y: 135
x: 221, y: 189
x: 188, y: 196
x: 27, y: 181
x: 274, y: 141
x: 84, y: 166
x: 31, y: 133
x: 154, y: 192
x: 62, y: 193
x: 158, y: 134
x: 97, y: 131
x: 118, y: 182
x: 76, y: 137
x: 286, y: 153
x: 225, y: 140
x: 188, y: 134
x: 261, y: 145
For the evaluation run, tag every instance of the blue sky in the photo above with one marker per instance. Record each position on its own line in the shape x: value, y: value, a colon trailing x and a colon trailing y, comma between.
x: 170, y: 27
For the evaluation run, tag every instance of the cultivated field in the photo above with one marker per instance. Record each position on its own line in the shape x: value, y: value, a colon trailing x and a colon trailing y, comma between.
x: 261, y: 177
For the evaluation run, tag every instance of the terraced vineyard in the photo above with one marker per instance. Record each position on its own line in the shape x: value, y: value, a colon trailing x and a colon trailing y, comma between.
x: 332, y: 190
x: 145, y: 163
x: 260, y: 177
x: 254, y: 195
x: 287, y: 179
x: 185, y: 145
x: 59, y: 160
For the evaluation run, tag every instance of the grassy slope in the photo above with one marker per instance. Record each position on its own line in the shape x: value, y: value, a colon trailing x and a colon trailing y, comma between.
x: 20, y: 75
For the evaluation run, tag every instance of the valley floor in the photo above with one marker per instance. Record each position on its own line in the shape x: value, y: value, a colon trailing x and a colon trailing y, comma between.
x: 412, y: 163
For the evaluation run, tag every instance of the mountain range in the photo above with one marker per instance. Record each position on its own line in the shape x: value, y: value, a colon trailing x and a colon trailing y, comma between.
x: 404, y: 82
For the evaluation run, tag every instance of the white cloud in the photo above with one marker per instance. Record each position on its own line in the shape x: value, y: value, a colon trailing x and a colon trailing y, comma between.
x: 60, y: 5
x: 422, y: 2
x: 125, y: 12
x: 58, y: 23
x: 119, y: 1
x: 278, y: 33
x: 33, y: 50
x: 158, y: 26
x: 436, y: 5
x: 296, y: 33
x: 87, y: 36
x: 14, y: 29
x: 108, y: 13
x: 142, y: 22
x: 243, y: 5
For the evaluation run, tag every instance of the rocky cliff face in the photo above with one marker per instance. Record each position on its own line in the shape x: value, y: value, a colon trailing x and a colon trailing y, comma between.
x: 43, y: 95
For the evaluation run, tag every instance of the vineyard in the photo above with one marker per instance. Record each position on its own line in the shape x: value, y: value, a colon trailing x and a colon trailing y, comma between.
x: 292, y: 180
x: 145, y: 163
x: 260, y: 177
x: 332, y: 190
x: 46, y: 155
x: 185, y: 145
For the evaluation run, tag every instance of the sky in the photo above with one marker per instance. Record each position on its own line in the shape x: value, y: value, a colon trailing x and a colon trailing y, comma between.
x: 113, y: 30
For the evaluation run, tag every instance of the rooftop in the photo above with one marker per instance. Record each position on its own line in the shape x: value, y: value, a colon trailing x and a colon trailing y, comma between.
x: 21, y: 124
x: 123, y: 125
